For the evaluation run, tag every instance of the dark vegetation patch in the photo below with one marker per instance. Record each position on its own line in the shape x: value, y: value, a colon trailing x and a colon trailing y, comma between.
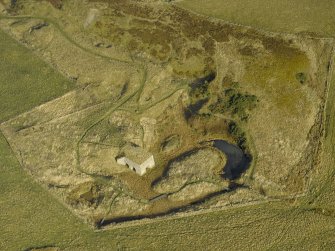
x: 38, y: 26
x: 248, y: 51
x: 301, y: 77
x: 234, y: 103
x: 171, y: 143
x: 190, y: 26
x: 209, y: 45
x: 56, y: 3
x: 194, y: 108
x: 280, y: 47
x: 13, y: 4
x: 88, y: 194
x: 199, y: 95
x: 159, y: 38
x: 239, y: 135
x: 124, y: 89
x: 201, y: 84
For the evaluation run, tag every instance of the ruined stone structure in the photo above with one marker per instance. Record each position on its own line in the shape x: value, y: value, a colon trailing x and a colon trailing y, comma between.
x: 137, y: 159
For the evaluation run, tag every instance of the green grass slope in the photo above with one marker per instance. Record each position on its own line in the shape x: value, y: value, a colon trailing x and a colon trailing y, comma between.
x: 29, y: 214
x: 25, y: 80
x: 272, y: 15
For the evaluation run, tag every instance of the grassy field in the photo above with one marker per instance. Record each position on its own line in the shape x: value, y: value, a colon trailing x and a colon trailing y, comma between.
x: 25, y: 80
x: 281, y: 16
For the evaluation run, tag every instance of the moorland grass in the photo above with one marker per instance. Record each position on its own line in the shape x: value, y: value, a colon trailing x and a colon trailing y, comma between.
x: 313, y: 17
x: 25, y: 80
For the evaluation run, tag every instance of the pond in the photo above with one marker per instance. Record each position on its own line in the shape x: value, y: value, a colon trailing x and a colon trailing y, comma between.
x: 237, y: 161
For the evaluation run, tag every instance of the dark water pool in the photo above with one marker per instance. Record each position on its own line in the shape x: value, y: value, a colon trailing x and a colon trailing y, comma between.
x: 237, y: 161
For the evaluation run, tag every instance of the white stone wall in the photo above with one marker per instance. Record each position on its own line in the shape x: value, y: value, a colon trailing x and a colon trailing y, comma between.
x: 149, y: 163
x: 140, y: 169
